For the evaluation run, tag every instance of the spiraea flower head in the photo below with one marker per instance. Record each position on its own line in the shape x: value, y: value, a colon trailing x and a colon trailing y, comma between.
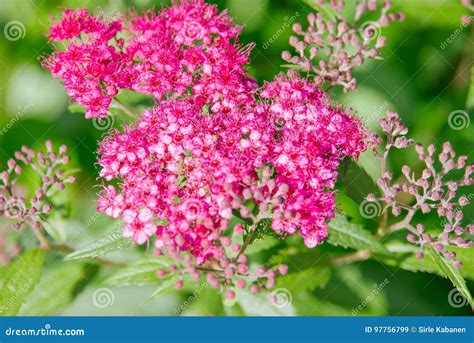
x: 218, y: 161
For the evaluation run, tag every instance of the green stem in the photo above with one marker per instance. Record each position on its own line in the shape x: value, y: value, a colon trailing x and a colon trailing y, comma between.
x: 128, y: 111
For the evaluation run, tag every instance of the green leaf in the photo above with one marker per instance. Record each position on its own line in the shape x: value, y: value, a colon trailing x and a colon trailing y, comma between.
x: 54, y: 231
x: 427, y: 13
x: 355, y: 181
x: 265, y: 243
x: 407, y: 260
x: 325, y: 10
x: 142, y: 272
x: 19, y: 281
x: 166, y: 285
x: 54, y: 291
x: 305, y: 280
x: 349, y: 235
x: 450, y: 271
x: 112, y: 242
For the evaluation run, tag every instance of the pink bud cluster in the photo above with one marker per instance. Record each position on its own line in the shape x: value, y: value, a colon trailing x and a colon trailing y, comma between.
x: 433, y: 189
x: 48, y: 166
x: 331, y: 47
x: 188, y: 50
x: 215, y: 149
x: 468, y: 4
x: 467, y: 20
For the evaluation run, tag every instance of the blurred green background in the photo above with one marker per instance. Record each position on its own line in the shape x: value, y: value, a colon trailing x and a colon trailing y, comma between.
x: 422, y: 76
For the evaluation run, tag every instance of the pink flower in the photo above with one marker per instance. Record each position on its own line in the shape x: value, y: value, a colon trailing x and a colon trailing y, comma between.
x: 213, y: 144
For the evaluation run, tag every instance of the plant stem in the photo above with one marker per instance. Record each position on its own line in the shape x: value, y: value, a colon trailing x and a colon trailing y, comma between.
x: 128, y: 111
x: 247, y: 241
x: 361, y: 255
x: 44, y: 244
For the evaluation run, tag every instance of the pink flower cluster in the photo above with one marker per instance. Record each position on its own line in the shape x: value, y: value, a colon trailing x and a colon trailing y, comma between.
x: 188, y: 50
x: 215, y: 148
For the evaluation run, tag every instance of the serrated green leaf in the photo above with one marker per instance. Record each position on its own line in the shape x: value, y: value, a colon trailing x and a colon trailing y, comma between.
x: 20, y: 279
x: 142, y: 272
x: 349, y: 235
x: 166, y: 286
x: 54, y: 291
x: 112, y: 242
x: 407, y: 260
x: 450, y: 272
x: 305, y: 280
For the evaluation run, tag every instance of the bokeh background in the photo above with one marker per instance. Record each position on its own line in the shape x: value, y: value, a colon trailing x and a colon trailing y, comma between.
x: 424, y: 76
